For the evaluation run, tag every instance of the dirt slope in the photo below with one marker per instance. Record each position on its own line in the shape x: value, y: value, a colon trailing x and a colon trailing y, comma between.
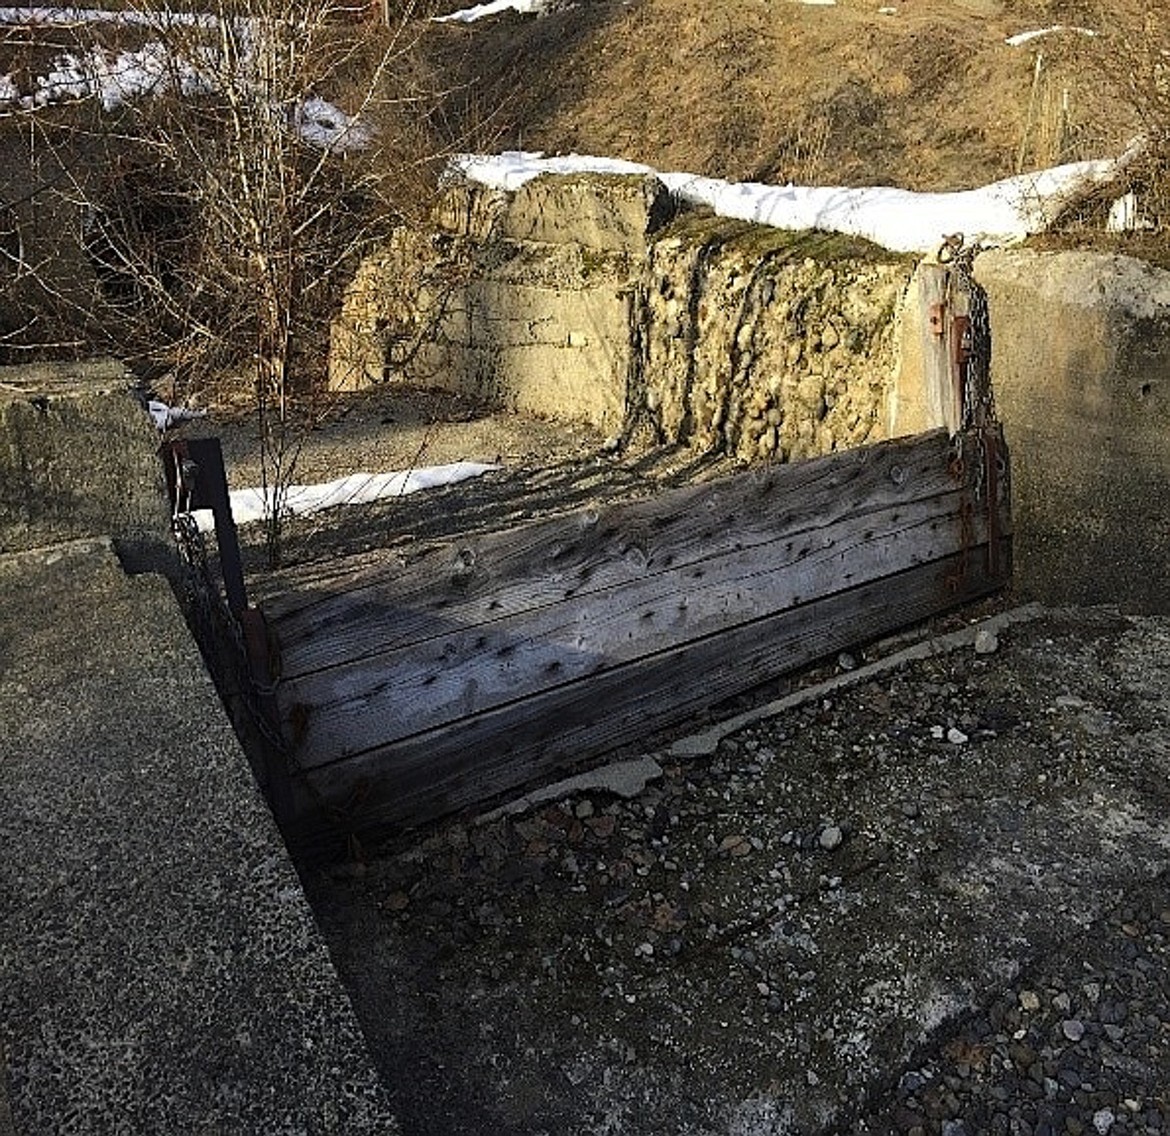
x: 925, y: 94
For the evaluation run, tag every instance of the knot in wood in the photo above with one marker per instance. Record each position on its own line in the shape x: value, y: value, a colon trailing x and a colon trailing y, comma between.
x: 464, y: 563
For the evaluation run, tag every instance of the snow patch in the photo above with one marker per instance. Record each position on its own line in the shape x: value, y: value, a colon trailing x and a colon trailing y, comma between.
x: 252, y: 505
x: 165, y: 416
x: 494, y: 8
x: 116, y: 78
x: 1021, y: 38
x: 899, y: 219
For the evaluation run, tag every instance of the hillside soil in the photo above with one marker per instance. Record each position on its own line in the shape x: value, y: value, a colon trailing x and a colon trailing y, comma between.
x: 923, y: 94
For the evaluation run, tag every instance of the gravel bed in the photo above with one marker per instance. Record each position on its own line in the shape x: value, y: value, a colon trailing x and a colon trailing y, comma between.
x: 934, y: 901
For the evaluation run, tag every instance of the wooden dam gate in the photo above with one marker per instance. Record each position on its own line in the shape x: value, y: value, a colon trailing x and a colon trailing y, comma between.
x: 433, y: 682
x: 436, y: 677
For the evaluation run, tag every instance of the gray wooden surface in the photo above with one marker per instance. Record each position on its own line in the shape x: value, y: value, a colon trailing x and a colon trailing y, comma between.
x: 459, y: 670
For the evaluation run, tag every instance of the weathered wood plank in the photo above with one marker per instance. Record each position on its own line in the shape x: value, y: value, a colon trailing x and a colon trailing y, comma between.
x: 492, y: 577
x: 454, y: 767
x: 461, y: 669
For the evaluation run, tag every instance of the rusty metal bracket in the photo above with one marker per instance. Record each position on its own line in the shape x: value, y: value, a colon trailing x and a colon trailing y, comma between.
x: 961, y: 339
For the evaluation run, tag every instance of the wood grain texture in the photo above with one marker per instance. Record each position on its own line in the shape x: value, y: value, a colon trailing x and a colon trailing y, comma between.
x: 462, y: 668
x: 468, y: 763
x: 438, y: 679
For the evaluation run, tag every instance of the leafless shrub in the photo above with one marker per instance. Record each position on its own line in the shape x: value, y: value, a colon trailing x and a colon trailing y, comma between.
x: 260, y: 150
x: 1122, y: 84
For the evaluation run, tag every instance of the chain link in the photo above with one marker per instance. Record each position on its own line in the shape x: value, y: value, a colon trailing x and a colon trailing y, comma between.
x: 978, y: 413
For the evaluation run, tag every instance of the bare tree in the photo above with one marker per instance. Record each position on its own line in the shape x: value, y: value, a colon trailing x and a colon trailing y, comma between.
x: 250, y: 154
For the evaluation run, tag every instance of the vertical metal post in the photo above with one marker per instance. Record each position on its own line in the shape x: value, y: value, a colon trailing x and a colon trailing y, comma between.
x: 202, y: 458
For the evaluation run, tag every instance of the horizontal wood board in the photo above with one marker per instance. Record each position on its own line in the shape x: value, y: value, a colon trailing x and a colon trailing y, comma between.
x: 322, y: 614
x: 467, y: 764
x: 475, y: 665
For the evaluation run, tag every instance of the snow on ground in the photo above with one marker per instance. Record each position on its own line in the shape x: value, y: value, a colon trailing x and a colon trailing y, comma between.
x: 899, y: 219
x: 251, y: 505
x: 480, y: 11
x: 73, y: 17
x: 1021, y: 38
x: 164, y: 417
x: 536, y: 7
x: 118, y: 77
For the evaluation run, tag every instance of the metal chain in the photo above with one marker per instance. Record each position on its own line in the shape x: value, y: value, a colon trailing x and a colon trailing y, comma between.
x: 978, y: 409
x: 978, y: 398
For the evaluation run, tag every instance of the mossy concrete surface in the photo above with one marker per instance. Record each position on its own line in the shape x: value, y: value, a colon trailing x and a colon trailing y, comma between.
x: 160, y: 970
x: 1081, y: 372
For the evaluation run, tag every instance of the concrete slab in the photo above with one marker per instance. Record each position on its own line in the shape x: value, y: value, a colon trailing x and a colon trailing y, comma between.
x: 77, y: 460
x: 160, y: 970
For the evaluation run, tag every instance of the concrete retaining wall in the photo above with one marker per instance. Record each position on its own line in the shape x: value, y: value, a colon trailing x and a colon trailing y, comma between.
x: 766, y: 344
x: 1081, y: 371
x: 77, y: 459
x: 590, y: 298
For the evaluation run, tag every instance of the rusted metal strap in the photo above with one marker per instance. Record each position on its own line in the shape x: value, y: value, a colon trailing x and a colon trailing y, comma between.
x: 991, y: 440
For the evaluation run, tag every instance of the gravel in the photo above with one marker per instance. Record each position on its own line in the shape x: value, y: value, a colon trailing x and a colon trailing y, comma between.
x: 841, y: 921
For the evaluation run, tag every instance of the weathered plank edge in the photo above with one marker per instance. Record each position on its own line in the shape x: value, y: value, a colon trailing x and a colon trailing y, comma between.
x: 469, y: 670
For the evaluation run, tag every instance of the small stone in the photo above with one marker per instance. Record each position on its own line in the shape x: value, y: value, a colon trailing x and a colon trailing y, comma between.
x: 1062, y: 1003
x: 1029, y: 1000
x: 986, y: 642
x: 1103, y: 1120
x: 938, y: 733
x: 396, y: 901
x: 846, y: 661
x: 956, y: 736
x: 584, y: 810
x: 910, y: 809
x: 1072, y: 1029
x: 764, y: 989
x: 831, y: 837
x: 1023, y: 1056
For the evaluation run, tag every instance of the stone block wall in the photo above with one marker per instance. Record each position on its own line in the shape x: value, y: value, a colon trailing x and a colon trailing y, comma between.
x: 78, y: 459
x: 591, y: 298
x: 767, y: 344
